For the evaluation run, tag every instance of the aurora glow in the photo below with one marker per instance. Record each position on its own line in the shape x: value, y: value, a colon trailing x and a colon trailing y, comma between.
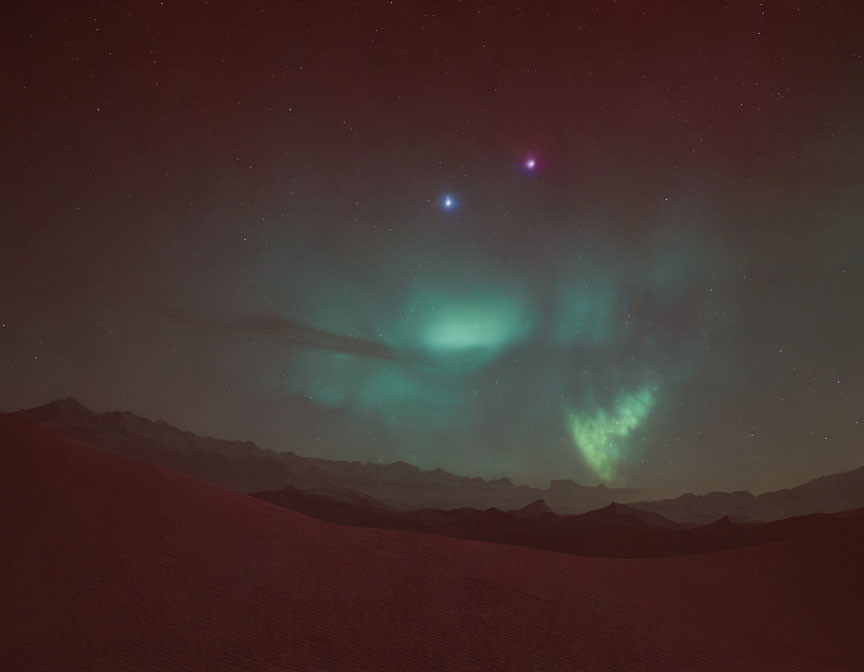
x: 472, y: 321
x: 317, y: 226
x: 601, y: 435
x: 476, y: 350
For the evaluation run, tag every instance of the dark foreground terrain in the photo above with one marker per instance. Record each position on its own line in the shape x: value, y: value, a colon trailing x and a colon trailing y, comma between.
x: 111, y: 564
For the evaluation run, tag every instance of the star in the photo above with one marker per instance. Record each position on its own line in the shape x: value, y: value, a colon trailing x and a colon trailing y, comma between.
x: 448, y: 201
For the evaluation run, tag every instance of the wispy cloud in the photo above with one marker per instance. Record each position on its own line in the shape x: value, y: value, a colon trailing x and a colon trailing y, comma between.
x: 286, y: 331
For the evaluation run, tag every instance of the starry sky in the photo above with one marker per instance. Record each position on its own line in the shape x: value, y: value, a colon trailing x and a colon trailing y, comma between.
x: 616, y: 242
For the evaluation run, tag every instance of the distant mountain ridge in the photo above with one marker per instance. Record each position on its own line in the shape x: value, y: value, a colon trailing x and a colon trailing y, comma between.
x: 244, y: 466
x: 405, y: 486
x: 239, y: 465
x: 616, y: 530
x: 826, y: 494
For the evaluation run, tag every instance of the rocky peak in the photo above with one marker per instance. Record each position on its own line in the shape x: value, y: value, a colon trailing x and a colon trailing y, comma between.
x: 537, y: 507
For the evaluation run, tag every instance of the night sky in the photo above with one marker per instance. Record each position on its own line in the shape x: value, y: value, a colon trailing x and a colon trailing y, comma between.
x: 616, y: 242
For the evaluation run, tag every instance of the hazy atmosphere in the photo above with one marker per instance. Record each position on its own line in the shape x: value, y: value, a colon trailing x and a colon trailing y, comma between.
x: 540, y: 243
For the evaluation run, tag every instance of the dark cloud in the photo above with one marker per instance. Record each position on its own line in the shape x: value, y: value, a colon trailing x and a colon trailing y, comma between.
x: 285, y: 331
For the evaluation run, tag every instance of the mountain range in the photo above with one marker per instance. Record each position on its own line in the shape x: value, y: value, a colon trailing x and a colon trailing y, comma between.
x: 616, y: 530
x: 826, y: 494
x: 245, y: 467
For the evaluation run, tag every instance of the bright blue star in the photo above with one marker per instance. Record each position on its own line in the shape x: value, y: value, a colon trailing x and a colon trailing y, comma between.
x: 448, y: 201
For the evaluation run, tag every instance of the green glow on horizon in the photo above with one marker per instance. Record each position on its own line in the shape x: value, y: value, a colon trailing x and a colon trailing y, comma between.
x: 600, y: 436
x: 485, y: 347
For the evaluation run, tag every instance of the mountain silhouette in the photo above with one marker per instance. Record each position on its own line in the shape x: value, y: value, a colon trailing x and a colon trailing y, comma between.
x: 244, y: 466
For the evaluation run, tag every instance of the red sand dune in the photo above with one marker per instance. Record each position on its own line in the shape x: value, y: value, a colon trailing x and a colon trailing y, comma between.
x: 110, y: 564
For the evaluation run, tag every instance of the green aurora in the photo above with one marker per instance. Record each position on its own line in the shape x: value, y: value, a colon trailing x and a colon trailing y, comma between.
x: 245, y: 232
x: 491, y: 356
x: 601, y: 435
